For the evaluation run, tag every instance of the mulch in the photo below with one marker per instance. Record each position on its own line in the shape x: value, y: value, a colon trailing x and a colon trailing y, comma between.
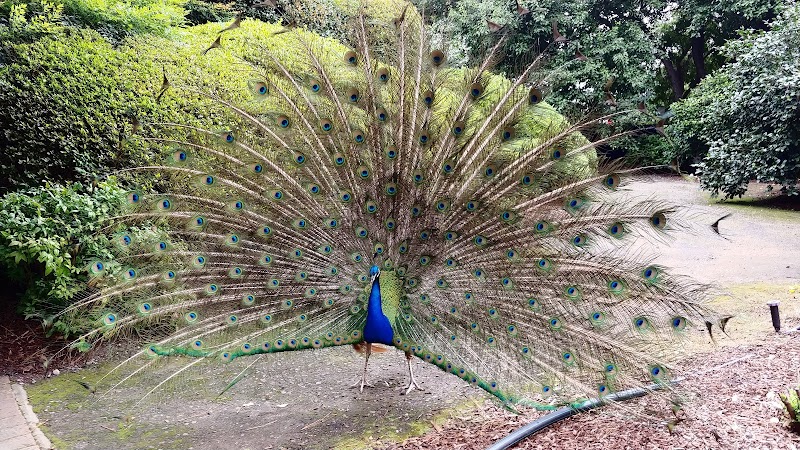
x: 26, y: 352
x: 733, y: 406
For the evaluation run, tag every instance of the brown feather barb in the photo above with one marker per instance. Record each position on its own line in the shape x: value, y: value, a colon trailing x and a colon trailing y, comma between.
x: 164, y: 85
x: 216, y: 44
x: 522, y: 10
x: 237, y: 22
x: 286, y: 28
x: 557, y: 37
x: 494, y: 27
x: 610, y: 100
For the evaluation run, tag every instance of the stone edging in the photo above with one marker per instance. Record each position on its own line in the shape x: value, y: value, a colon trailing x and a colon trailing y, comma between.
x: 30, y: 417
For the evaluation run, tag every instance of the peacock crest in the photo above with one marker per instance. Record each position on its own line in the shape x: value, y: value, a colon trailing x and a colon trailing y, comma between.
x: 473, y: 212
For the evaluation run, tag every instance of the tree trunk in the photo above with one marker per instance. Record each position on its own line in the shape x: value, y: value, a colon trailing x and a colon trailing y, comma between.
x: 675, y: 78
x: 698, y: 57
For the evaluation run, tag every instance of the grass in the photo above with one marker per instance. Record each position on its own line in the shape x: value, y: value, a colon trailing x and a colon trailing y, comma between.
x: 391, y: 434
x: 751, y: 321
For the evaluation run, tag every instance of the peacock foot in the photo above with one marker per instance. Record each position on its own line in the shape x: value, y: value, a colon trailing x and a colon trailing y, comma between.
x: 360, y: 384
x: 411, y: 386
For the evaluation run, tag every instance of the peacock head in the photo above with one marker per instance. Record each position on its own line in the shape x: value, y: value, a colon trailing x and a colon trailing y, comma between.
x: 374, y: 272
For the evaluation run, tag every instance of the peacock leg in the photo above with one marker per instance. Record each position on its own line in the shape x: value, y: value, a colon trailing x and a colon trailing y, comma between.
x: 363, y: 381
x: 412, y: 383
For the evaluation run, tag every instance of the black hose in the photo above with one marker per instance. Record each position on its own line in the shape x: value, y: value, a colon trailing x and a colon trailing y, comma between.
x: 569, y: 411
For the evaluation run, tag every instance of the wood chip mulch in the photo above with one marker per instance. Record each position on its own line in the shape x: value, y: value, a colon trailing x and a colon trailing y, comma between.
x: 730, y: 403
x: 26, y: 352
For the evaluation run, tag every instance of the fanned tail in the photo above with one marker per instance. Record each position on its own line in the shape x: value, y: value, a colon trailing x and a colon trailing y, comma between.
x: 507, y: 257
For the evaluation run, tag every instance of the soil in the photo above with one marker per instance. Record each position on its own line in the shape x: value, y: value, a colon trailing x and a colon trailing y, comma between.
x: 301, y: 400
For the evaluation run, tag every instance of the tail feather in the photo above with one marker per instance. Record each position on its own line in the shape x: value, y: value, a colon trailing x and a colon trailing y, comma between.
x: 509, y: 255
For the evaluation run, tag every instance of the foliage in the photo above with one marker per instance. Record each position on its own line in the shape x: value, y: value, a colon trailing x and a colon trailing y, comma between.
x: 48, y: 236
x: 616, y: 49
x: 68, y: 99
x: 791, y: 400
x: 199, y: 12
x: 695, y: 120
x: 652, y: 50
x: 324, y: 17
x: 72, y: 100
x: 751, y: 128
x: 689, y: 33
x: 113, y: 19
x: 44, y: 21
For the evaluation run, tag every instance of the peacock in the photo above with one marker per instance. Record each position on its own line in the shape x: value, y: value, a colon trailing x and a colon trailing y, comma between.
x: 370, y: 193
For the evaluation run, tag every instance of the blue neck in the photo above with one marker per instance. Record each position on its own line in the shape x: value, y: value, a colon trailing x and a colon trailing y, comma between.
x: 374, y: 306
x: 377, y: 329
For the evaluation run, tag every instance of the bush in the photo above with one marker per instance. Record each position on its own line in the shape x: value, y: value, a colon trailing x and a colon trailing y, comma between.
x: 747, y: 113
x: 791, y: 400
x: 71, y: 100
x: 69, y: 103
x: 695, y: 119
x: 49, y: 235
x: 113, y: 19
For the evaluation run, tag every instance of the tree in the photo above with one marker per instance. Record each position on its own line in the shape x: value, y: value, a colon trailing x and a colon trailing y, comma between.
x: 691, y: 31
x: 747, y: 112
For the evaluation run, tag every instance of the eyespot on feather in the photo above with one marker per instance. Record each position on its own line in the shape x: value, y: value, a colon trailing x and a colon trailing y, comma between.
x: 353, y: 96
x: 427, y: 98
x: 383, y: 74
x: 658, y: 220
x: 437, y: 58
x: 259, y: 89
x: 534, y: 96
x: 283, y: 121
x: 325, y: 125
x: 611, y: 181
x: 476, y: 90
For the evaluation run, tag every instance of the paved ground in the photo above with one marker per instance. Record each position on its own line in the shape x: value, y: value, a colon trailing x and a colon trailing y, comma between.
x: 15, y: 433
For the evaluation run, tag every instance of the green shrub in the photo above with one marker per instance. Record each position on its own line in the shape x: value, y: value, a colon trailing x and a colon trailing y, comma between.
x: 695, y: 120
x: 114, y: 19
x: 747, y: 113
x: 71, y: 101
x: 199, y: 12
x: 49, y: 235
x: 791, y: 400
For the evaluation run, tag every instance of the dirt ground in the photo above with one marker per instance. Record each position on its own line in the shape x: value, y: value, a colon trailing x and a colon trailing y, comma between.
x: 302, y: 400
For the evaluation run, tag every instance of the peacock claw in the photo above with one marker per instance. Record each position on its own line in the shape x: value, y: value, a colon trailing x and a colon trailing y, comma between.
x: 361, y: 384
x: 412, y: 382
x: 411, y: 386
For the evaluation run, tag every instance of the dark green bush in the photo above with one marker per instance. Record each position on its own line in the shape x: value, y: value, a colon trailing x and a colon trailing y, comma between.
x: 199, y: 12
x: 48, y: 238
x: 695, y: 119
x: 71, y: 101
x: 747, y: 113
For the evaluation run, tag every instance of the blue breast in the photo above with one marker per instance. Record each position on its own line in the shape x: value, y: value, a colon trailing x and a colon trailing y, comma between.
x: 378, y: 329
